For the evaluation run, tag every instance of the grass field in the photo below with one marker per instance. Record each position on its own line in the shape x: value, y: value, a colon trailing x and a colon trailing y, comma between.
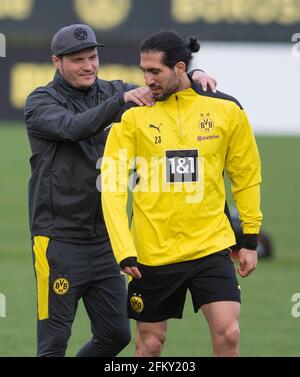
x: 267, y: 326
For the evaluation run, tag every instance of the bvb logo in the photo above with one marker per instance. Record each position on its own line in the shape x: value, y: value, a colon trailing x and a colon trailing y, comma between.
x: 137, y: 303
x: 61, y: 286
x: 103, y: 14
x: 206, y: 124
x: 80, y: 34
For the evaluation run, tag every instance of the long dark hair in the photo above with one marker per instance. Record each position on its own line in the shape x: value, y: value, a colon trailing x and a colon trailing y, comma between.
x: 175, y: 48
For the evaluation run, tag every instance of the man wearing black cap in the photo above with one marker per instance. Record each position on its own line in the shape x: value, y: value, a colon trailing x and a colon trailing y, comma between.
x: 72, y: 254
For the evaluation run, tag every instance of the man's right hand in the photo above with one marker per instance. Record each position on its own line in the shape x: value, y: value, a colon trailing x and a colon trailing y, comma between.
x: 142, y: 96
x: 248, y: 262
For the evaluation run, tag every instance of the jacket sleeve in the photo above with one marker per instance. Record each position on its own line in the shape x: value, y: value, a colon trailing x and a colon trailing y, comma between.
x: 243, y: 167
x: 46, y: 118
x: 118, y: 160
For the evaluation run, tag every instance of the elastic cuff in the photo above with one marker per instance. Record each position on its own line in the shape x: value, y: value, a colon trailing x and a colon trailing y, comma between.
x: 121, y: 98
x: 250, y: 241
x: 195, y: 70
x: 128, y: 262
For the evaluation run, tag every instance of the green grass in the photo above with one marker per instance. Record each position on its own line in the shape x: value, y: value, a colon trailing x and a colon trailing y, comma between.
x: 267, y: 326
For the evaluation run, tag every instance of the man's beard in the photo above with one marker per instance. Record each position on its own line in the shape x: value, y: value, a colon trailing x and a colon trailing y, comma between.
x: 167, y: 92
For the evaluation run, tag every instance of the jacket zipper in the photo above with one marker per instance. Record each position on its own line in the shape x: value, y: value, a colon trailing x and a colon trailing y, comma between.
x: 180, y: 126
x: 51, y: 183
x: 99, y: 196
x: 51, y: 198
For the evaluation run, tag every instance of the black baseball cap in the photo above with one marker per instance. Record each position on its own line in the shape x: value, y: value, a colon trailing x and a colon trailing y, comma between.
x: 73, y: 38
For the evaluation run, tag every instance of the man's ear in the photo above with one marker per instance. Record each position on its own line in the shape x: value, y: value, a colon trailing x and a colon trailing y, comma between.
x: 180, y: 68
x: 56, y: 61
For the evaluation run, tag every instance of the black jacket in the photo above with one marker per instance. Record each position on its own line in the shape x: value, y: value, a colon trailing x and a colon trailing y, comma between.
x: 64, y: 128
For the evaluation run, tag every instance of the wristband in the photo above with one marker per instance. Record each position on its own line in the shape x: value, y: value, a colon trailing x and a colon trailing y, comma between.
x: 195, y: 70
x: 129, y: 262
x: 250, y: 241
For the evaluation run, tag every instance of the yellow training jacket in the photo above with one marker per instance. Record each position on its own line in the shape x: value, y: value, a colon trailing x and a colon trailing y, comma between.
x: 180, y: 148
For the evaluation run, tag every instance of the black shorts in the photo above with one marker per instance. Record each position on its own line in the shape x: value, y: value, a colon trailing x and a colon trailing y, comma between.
x: 160, y: 293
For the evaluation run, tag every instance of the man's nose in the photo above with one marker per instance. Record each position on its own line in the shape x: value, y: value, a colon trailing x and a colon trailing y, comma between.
x: 88, y: 66
x: 149, y: 80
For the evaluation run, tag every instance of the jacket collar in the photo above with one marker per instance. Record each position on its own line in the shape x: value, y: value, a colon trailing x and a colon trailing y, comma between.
x: 63, y: 86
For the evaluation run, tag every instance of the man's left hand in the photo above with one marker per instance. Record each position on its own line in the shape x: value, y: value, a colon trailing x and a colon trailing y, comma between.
x: 205, y: 80
x: 248, y: 262
x: 133, y: 271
